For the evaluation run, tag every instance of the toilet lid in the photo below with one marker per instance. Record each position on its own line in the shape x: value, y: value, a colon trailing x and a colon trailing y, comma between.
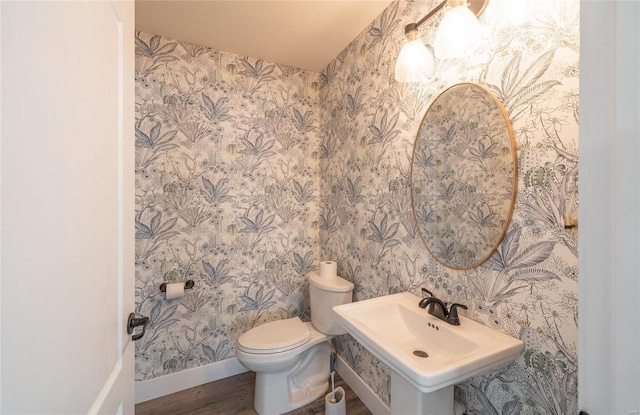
x: 275, y: 336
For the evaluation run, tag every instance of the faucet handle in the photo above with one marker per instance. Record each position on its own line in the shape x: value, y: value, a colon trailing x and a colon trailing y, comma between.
x: 425, y: 291
x: 452, y: 317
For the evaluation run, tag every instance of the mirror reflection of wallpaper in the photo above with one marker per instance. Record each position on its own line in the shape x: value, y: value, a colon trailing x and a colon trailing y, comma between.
x: 463, y: 176
x: 529, y: 287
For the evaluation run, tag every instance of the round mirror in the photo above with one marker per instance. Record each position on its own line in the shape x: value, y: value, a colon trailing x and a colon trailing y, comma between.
x: 464, y: 176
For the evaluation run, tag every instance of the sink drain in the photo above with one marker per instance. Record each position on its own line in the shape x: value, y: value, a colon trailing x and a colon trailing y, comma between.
x: 420, y: 353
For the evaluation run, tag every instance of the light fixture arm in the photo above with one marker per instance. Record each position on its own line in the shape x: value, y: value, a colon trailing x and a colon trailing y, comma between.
x: 414, y: 26
x: 476, y: 6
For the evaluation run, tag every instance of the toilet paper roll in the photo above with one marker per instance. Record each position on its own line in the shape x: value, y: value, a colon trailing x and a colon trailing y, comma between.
x: 175, y: 290
x: 328, y: 269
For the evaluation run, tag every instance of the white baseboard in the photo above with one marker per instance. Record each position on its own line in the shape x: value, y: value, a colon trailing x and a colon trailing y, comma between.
x: 364, y: 392
x: 175, y: 382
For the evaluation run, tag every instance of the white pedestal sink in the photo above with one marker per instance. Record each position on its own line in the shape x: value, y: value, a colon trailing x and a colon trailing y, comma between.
x: 427, y: 356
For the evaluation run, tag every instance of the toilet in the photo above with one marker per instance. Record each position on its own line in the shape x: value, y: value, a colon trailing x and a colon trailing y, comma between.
x: 291, y: 357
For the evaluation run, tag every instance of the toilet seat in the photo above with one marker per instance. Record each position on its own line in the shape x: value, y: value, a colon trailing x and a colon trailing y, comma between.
x: 275, y: 337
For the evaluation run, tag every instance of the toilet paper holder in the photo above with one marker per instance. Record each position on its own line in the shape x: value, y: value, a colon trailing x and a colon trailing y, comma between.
x: 187, y: 286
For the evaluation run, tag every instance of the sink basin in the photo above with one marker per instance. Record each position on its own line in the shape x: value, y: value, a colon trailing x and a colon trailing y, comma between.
x: 400, y: 334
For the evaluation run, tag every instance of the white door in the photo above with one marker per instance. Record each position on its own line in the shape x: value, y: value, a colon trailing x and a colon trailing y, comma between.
x: 609, y: 326
x: 66, y: 207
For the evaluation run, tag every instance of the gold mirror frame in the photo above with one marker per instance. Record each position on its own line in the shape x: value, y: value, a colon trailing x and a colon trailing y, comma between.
x: 464, y: 176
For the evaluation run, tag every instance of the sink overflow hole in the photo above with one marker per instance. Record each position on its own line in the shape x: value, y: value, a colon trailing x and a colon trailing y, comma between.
x: 420, y: 353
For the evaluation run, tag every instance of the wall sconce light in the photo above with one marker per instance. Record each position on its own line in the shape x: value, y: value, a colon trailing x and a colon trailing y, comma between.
x: 458, y: 36
x: 502, y: 13
x: 415, y: 62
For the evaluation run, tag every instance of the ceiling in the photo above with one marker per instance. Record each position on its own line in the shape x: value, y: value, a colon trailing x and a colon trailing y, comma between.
x: 306, y: 34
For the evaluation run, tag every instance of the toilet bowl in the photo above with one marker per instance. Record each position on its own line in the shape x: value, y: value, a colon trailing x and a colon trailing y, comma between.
x: 291, y: 357
x: 290, y: 374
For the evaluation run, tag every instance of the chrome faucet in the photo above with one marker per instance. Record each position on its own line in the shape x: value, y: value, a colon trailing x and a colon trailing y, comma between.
x: 449, y: 315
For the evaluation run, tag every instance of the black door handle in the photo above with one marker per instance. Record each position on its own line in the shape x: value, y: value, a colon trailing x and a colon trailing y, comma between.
x: 135, y: 322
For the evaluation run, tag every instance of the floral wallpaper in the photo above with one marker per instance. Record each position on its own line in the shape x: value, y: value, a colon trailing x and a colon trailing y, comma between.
x: 529, y: 287
x: 226, y: 195
x: 250, y: 172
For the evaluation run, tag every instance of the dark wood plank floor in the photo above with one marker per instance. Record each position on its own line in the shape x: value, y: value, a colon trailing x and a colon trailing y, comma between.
x: 233, y: 396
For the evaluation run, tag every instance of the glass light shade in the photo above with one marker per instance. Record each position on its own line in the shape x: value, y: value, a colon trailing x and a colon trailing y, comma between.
x: 501, y: 13
x: 415, y: 62
x: 459, y: 34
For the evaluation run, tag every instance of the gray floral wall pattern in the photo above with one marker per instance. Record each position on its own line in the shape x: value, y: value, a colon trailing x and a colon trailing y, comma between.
x: 528, y: 288
x: 249, y: 172
x: 226, y: 195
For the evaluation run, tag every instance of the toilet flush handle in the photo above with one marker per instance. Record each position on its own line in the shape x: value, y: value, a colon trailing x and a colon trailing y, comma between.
x: 135, y: 322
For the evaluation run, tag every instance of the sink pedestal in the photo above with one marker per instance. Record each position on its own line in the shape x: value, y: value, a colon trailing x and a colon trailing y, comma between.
x: 398, y: 332
x: 406, y: 399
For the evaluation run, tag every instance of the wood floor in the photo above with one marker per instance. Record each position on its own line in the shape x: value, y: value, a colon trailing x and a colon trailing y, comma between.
x: 233, y: 396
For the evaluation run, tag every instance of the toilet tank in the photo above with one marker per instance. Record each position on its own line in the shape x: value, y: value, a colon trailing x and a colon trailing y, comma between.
x: 325, y: 293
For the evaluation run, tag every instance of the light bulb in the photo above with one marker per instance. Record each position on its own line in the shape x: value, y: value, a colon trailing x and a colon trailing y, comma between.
x: 502, y: 13
x: 415, y: 62
x: 459, y: 34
